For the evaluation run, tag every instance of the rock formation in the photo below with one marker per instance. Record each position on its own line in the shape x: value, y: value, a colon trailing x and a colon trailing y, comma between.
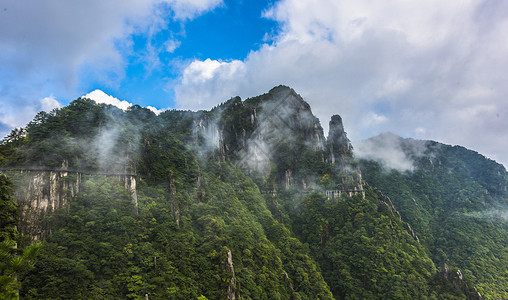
x: 457, y: 280
x: 39, y: 192
x: 341, y: 157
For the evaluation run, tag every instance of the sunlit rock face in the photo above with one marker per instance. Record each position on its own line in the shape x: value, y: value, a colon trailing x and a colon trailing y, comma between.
x: 39, y: 192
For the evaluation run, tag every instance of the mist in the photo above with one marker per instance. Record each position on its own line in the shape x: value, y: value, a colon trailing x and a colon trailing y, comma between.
x: 391, y: 151
x: 491, y: 214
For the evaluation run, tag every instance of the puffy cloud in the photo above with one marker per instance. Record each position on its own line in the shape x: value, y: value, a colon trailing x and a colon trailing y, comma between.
x: 427, y: 69
x: 206, y: 83
x: 101, y: 97
x: 49, y: 103
x: 11, y: 117
x: 47, y: 47
x: 156, y: 110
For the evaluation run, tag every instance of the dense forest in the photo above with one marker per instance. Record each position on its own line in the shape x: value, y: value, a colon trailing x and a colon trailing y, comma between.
x: 246, y: 201
x: 456, y: 200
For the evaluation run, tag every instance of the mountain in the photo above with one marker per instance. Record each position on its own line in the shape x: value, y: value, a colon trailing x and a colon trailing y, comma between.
x: 248, y: 200
x: 455, y: 199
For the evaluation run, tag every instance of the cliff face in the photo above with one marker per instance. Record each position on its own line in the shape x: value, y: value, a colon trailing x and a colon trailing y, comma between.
x: 250, y: 131
x: 39, y: 192
x: 277, y: 135
x: 341, y: 157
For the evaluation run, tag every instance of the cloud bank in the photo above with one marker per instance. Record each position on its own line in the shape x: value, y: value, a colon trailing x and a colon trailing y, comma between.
x: 423, y: 69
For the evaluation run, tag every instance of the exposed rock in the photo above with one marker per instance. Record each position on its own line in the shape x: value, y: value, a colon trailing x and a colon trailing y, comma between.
x: 42, y: 192
x: 411, y: 232
x: 289, y: 179
x: 337, y: 139
x: 232, y: 293
x: 175, y: 208
x: 129, y: 182
x: 341, y: 157
x: 208, y: 136
x: 456, y: 278
x: 39, y: 192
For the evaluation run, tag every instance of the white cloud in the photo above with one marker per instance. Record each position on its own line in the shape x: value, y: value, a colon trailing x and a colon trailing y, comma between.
x: 49, y: 103
x: 48, y: 47
x: 394, y: 87
x: 373, y: 118
x: 101, y: 97
x: 172, y: 45
x: 188, y: 9
x: 156, y: 110
x: 432, y: 65
x: 420, y: 130
x: 387, y: 149
x: 18, y: 117
x: 201, y: 71
x: 207, y: 83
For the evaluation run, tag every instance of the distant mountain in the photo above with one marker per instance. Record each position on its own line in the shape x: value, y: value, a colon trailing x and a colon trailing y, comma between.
x: 455, y: 199
x: 249, y: 200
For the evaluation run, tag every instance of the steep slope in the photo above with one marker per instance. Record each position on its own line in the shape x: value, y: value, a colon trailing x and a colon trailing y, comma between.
x: 454, y: 198
x: 278, y: 131
x: 248, y: 200
x: 200, y: 228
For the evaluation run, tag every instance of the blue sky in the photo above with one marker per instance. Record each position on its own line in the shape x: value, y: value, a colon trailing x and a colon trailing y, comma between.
x: 424, y: 69
x: 230, y: 31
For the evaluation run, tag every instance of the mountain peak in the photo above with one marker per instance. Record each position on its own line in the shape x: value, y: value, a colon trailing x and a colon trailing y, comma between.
x: 337, y: 137
x: 280, y: 88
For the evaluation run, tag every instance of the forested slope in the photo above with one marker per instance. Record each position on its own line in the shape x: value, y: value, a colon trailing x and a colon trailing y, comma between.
x: 456, y: 201
x: 246, y: 201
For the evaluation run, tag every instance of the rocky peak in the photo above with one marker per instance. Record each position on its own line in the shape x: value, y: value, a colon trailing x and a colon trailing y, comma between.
x: 280, y: 90
x: 341, y: 157
x: 337, y: 138
x: 277, y: 128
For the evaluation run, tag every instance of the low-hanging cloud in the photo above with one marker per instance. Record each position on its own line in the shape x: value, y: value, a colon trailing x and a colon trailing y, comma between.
x: 492, y: 214
x: 391, y: 151
x: 429, y: 70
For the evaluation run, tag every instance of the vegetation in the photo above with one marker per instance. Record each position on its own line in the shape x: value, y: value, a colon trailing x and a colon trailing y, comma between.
x: 455, y: 200
x: 13, y: 260
x: 208, y: 224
